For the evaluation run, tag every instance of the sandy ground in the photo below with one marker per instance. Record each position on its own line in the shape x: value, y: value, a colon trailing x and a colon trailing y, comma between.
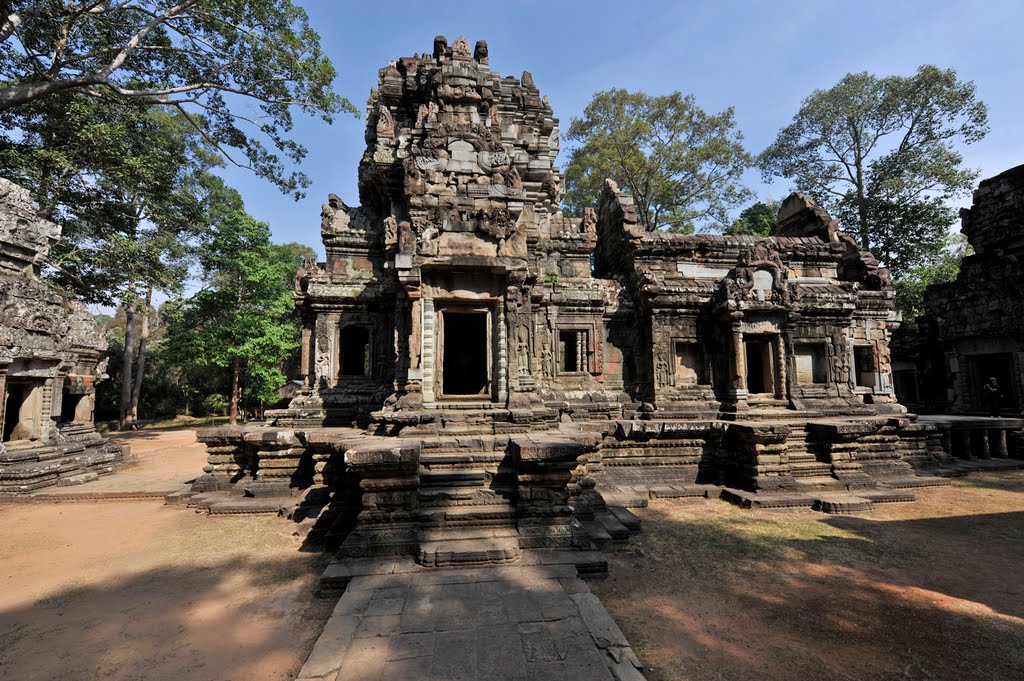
x: 129, y: 590
x: 928, y: 590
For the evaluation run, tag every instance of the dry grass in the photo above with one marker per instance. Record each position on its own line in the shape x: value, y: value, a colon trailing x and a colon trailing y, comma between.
x: 928, y: 590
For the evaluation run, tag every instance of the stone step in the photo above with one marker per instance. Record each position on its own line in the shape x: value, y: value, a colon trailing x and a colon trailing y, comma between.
x: 841, y: 503
x: 482, y: 514
x: 911, y: 482
x: 597, y: 533
x: 810, y: 469
x: 680, y: 492
x: 465, y: 495
x: 882, y: 495
x: 440, y: 459
x: 453, y: 478
x: 626, y: 517
x: 616, y: 530
x: 437, y: 533
x: 468, y: 552
x: 79, y: 479
x: 812, y: 482
x: 248, y: 505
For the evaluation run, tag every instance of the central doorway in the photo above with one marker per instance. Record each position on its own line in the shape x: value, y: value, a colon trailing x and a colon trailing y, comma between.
x: 464, y: 358
x: 760, y: 364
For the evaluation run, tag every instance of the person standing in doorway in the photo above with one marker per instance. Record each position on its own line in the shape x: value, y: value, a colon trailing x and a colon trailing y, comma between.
x: 993, y: 396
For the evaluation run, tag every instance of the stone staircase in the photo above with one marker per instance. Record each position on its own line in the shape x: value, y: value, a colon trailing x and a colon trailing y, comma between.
x: 806, y: 460
x: 466, y: 498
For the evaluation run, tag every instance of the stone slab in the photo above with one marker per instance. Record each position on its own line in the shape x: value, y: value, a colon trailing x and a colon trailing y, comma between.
x: 522, y: 622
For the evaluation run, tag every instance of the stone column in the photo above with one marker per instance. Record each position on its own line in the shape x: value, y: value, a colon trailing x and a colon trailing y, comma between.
x: 739, y: 365
x: 981, y: 436
x: 780, y: 367
x: 429, y: 321
x: 997, y: 443
x: 306, y: 362
x: 3, y: 399
x: 502, y: 362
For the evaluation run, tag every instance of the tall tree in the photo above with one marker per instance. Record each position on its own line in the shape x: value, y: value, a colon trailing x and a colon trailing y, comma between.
x: 199, y: 56
x: 243, y: 320
x: 882, y: 155
x: 681, y: 164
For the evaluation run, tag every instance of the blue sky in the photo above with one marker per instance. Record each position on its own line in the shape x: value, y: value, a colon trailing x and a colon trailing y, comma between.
x: 763, y: 58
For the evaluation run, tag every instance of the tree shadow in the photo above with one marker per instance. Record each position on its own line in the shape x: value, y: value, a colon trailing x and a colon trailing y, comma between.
x: 216, y: 621
x: 790, y: 596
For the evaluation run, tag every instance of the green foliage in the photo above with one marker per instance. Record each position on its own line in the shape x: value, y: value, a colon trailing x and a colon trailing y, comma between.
x: 244, y: 314
x: 881, y: 154
x: 216, y: 403
x: 681, y: 164
x: 127, y: 182
x: 755, y: 220
x: 204, y: 58
x: 911, y: 286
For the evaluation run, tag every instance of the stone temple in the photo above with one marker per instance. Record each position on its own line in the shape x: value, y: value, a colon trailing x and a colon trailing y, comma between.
x: 483, y: 374
x: 50, y: 363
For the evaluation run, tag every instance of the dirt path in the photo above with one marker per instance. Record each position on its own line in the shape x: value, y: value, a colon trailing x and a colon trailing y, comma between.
x: 131, y: 590
x: 929, y: 590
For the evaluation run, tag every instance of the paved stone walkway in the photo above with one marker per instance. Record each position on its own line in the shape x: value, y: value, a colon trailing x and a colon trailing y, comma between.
x: 523, y: 622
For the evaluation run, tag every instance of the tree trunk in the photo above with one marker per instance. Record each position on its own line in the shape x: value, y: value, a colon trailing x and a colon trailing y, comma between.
x: 140, y: 368
x: 862, y: 206
x: 236, y: 369
x: 125, y: 421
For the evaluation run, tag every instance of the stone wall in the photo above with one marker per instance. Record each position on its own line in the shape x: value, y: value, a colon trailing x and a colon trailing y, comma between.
x: 973, y: 327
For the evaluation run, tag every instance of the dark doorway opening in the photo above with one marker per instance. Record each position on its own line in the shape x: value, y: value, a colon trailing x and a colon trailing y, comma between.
x: 998, y: 366
x: 760, y: 370
x: 864, y: 365
x: 355, y: 351
x: 69, y: 406
x: 15, y: 398
x: 464, y: 360
x: 22, y: 410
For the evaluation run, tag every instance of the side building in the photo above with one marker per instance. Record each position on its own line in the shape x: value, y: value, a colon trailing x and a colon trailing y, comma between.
x: 50, y: 362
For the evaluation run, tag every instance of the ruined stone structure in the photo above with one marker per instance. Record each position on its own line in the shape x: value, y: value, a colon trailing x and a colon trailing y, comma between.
x: 484, y: 374
x: 973, y: 329
x: 50, y: 362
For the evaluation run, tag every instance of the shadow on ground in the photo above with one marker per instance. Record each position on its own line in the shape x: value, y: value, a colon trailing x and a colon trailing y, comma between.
x: 709, y: 591
x: 220, y: 621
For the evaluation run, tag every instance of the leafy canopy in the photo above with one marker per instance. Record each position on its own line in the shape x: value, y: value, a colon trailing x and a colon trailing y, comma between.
x: 755, y: 220
x: 207, y: 58
x: 882, y: 155
x: 244, y: 313
x: 681, y: 164
x: 128, y: 182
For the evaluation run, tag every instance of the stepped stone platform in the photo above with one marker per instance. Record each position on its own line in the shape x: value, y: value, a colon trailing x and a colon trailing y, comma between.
x: 535, y: 620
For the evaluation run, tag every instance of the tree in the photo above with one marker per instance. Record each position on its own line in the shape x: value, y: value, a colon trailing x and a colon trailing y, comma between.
x: 911, y: 287
x: 243, y: 319
x: 881, y: 155
x: 680, y: 163
x: 202, y: 57
x: 755, y: 220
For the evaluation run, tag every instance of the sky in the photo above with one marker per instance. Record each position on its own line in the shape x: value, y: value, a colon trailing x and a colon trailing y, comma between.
x: 763, y: 58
